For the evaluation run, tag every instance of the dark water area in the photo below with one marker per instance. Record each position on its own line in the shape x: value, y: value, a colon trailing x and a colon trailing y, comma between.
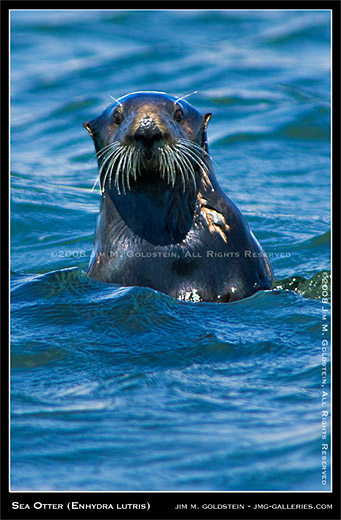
x: 125, y: 388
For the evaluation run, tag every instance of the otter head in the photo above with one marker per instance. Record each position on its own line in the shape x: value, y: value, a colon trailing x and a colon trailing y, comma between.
x: 148, y: 136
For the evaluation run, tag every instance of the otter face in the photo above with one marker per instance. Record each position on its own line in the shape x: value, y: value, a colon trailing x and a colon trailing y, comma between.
x: 149, y: 132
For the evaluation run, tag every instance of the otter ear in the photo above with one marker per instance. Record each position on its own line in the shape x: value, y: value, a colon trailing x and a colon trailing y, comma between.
x: 206, y: 118
x: 88, y: 127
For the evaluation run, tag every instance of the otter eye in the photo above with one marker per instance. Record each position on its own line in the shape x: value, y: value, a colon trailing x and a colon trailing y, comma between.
x: 118, y: 117
x: 178, y: 115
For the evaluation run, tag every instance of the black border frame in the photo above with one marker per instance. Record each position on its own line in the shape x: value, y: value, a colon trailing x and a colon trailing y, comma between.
x: 162, y: 505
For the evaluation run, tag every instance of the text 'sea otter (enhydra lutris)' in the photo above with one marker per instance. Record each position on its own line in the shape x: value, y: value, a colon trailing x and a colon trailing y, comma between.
x: 164, y: 221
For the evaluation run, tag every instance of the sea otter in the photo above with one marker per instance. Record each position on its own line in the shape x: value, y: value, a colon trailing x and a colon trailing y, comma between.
x: 164, y: 221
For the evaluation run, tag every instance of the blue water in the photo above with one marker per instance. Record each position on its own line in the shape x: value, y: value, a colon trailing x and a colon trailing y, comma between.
x: 117, y: 388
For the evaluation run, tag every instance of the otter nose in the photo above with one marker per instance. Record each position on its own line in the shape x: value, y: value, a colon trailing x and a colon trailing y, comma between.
x: 148, y: 134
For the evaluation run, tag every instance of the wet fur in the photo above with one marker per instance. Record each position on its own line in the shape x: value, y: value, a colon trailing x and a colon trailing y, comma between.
x: 164, y: 222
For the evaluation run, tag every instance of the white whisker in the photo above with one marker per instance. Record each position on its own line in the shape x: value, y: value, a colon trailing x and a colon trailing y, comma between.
x: 117, y: 101
x: 183, y: 97
x: 178, y: 162
x: 96, y: 182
